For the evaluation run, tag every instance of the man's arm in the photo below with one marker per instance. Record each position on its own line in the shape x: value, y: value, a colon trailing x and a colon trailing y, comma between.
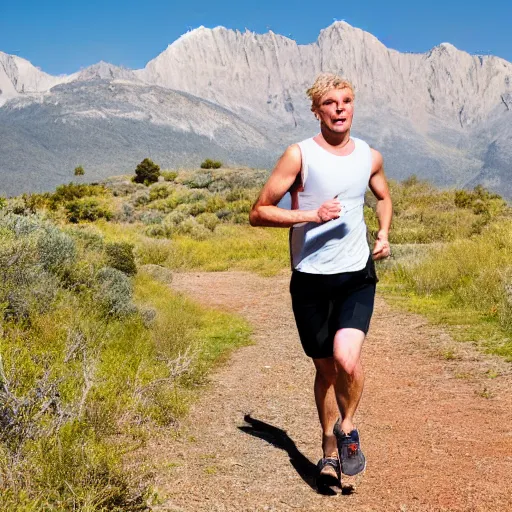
x: 266, y: 213
x: 379, y: 186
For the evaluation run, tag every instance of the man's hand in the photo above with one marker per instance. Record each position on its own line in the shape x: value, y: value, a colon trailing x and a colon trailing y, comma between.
x: 381, y: 248
x: 329, y: 210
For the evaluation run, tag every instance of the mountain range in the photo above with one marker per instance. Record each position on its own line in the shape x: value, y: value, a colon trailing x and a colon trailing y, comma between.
x: 444, y: 115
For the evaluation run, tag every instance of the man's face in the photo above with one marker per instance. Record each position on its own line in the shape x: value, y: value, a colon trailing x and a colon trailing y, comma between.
x: 336, y: 109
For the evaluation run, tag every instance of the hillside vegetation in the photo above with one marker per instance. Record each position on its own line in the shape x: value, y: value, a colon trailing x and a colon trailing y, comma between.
x: 97, y: 351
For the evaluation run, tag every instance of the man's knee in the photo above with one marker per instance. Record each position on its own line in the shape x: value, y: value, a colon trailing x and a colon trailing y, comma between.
x: 348, y: 364
x: 325, y: 370
x: 347, y: 350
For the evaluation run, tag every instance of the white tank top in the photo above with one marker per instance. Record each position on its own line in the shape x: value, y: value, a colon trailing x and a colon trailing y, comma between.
x: 338, y: 245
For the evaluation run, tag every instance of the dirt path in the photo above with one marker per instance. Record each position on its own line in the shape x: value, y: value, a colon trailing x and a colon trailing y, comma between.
x: 436, y: 430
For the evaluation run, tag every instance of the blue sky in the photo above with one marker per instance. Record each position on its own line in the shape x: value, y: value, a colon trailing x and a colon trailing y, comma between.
x: 65, y: 36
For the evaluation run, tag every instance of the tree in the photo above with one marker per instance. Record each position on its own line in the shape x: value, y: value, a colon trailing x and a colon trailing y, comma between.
x: 79, y: 171
x: 147, y: 172
x: 211, y: 164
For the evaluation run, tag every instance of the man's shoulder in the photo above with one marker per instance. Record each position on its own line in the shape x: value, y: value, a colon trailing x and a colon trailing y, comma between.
x: 304, y: 142
x: 360, y: 142
x: 375, y: 155
x: 377, y: 160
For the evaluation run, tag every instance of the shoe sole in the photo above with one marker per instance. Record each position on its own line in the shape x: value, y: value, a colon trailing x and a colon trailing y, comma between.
x: 356, y: 472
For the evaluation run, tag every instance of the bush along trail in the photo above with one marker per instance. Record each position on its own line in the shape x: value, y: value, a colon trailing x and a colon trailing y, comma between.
x: 94, y: 358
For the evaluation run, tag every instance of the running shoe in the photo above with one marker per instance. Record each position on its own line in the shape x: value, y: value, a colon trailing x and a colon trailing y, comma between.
x: 329, y: 473
x: 349, y: 449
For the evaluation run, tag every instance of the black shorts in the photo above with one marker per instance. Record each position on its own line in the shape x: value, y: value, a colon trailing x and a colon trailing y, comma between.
x: 324, y: 303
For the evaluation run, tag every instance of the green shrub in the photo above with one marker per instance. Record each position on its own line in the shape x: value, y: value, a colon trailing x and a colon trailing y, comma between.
x: 30, y: 251
x: 211, y: 164
x: 169, y: 175
x: 123, y: 188
x: 199, y: 180
x: 56, y: 250
x: 240, y: 218
x: 208, y: 220
x: 159, y: 231
x: 87, y: 238
x: 198, y: 208
x: 162, y: 205
x: 17, y: 206
x: 35, y: 202
x: 86, y: 209
x: 154, y: 252
x: 218, y: 185
x: 74, y: 191
x: 147, y: 172
x: 240, y: 206
x: 120, y: 256
x: 79, y: 171
x: 20, y: 225
x: 463, y: 199
x: 29, y: 290
x: 125, y: 214
x: 215, y: 203
x: 480, y: 200
x: 246, y: 178
x: 176, y: 217
x: 184, y: 209
x: 179, y: 198
x: 151, y: 217
x: 193, y: 229
x: 195, y: 196
x: 159, y: 191
x: 114, y: 292
x: 140, y: 198
x: 240, y: 194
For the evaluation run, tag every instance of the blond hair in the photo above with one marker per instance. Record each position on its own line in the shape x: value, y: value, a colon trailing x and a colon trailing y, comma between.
x: 325, y: 82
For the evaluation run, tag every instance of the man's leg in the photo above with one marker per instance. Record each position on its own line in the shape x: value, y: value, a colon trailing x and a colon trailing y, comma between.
x: 329, y: 475
x: 326, y: 404
x: 350, y: 376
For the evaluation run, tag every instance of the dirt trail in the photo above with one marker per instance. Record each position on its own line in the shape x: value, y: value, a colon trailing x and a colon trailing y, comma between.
x: 437, y: 431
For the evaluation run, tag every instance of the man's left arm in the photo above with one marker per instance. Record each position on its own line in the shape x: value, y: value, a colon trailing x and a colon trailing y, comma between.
x: 379, y: 186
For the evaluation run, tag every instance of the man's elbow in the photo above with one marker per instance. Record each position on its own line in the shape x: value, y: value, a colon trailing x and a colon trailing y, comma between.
x: 254, y: 217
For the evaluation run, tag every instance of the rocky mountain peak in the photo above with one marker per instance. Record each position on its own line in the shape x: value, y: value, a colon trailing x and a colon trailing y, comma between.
x: 104, y: 71
x: 19, y: 76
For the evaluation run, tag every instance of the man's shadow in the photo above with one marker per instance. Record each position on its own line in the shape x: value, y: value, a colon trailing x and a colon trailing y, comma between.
x: 280, y: 439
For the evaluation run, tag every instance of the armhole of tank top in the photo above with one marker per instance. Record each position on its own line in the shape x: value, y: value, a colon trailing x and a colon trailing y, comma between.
x: 304, y: 163
x: 370, y: 159
x: 365, y: 147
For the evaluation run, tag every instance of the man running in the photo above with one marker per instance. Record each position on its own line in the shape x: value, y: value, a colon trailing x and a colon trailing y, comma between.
x: 333, y: 279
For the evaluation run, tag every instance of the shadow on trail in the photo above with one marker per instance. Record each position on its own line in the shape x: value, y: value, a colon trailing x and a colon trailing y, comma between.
x: 280, y: 439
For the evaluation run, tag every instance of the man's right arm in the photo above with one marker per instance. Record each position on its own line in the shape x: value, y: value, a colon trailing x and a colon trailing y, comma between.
x: 266, y: 213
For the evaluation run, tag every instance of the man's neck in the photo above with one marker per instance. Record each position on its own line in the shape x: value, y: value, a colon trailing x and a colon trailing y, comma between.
x: 336, y: 140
